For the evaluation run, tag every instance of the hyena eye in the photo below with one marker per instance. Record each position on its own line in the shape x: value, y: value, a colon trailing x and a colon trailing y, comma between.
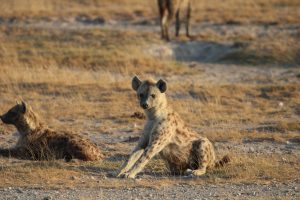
x: 153, y: 96
x: 141, y: 95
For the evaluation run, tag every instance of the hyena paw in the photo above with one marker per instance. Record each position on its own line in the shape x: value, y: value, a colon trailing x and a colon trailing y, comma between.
x: 199, y: 172
x: 121, y: 175
x: 124, y: 174
x: 195, y: 173
x: 128, y: 175
x: 189, y: 173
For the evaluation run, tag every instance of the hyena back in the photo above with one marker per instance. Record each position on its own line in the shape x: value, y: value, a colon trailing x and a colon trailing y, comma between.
x: 166, y: 134
x: 37, y: 142
x: 170, y: 8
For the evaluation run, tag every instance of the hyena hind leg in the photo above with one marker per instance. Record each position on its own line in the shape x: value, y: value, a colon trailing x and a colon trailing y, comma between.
x: 202, y: 157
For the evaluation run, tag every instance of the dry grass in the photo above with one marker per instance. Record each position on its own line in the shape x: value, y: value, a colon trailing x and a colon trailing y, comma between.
x: 253, y: 11
x: 97, y: 103
x: 256, y: 45
x: 281, y: 51
x: 217, y: 11
x: 88, y: 49
x: 227, y: 111
x: 80, y: 80
x: 243, y: 168
x: 116, y: 9
x: 44, y: 47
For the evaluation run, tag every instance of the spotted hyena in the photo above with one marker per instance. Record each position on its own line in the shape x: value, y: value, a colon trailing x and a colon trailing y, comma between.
x: 170, y: 8
x: 37, y: 142
x: 166, y: 134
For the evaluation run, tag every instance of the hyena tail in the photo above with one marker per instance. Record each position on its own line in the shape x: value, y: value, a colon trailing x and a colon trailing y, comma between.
x: 222, y: 162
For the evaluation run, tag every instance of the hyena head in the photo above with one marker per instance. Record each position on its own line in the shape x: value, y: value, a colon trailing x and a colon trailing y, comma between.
x: 22, y: 117
x: 150, y: 94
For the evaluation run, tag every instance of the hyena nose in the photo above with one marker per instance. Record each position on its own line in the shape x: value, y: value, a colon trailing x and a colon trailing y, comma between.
x: 145, y: 106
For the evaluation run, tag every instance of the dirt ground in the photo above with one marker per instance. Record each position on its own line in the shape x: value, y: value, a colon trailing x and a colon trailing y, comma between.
x: 236, y: 83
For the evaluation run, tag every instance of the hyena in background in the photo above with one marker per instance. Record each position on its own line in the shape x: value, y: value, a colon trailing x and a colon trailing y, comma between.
x: 37, y: 142
x: 166, y: 134
x: 170, y: 8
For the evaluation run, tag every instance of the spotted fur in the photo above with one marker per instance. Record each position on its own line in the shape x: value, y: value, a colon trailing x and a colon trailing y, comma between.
x: 166, y: 134
x: 38, y: 142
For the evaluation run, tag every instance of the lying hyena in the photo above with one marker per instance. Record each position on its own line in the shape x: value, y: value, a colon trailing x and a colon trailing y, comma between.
x: 37, y: 142
x: 165, y: 133
x: 167, y: 10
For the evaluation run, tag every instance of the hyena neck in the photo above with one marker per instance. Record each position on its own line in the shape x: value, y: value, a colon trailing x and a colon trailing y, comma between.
x: 29, y: 125
x: 28, y: 129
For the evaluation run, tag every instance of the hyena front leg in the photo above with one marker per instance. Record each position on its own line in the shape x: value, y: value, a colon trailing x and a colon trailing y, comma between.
x: 136, y: 153
x: 132, y: 159
x: 162, y: 7
x: 169, y: 18
x: 177, y: 23
x: 154, y: 148
x: 143, y: 160
x: 188, y: 19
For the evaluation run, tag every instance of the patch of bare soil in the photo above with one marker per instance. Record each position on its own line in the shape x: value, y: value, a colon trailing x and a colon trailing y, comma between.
x: 194, y: 51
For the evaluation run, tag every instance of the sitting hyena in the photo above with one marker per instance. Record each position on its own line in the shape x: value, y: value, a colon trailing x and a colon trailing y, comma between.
x: 167, y: 10
x: 165, y: 133
x: 37, y: 142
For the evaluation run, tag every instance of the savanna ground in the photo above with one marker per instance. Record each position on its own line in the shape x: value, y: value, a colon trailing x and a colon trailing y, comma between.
x: 236, y: 81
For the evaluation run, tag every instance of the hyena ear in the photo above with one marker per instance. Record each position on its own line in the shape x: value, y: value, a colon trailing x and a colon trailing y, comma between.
x: 135, y: 83
x: 161, y: 85
x: 23, y: 107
